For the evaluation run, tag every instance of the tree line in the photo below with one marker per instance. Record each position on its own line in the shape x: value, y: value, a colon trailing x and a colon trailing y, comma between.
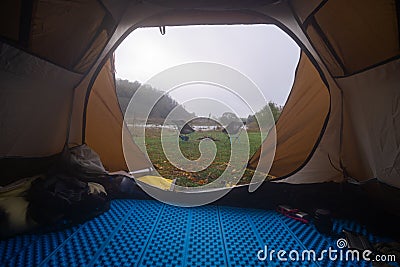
x: 126, y: 89
x: 262, y: 114
x: 143, y: 99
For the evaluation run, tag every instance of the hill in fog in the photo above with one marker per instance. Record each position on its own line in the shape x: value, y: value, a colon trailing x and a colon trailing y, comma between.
x: 126, y: 89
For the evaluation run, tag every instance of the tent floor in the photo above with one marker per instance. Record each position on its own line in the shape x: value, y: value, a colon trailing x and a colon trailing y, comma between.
x: 150, y: 233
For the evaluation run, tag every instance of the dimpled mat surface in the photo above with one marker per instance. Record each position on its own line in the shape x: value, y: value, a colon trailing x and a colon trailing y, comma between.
x: 150, y: 233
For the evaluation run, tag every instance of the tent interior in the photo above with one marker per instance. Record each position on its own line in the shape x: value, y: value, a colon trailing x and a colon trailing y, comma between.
x: 337, y: 139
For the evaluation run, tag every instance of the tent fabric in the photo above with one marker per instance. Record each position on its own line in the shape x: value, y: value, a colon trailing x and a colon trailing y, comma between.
x: 35, y: 103
x: 76, y: 135
x: 373, y: 147
x: 303, y: 9
x: 79, y: 29
x: 104, y: 125
x: 69, y: 25
x: 10, y: 11
x: 300, y: 123
x: 324, y: 50
x: 53, y: 71
x: 358, y: 38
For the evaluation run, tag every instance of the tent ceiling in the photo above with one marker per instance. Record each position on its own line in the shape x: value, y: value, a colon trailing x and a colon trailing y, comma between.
x: 79, y: 29
x: 358, y: 38
x: 211, y: 4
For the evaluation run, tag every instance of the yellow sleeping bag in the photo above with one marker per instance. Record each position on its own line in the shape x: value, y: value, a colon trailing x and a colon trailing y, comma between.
x: 157, y: 181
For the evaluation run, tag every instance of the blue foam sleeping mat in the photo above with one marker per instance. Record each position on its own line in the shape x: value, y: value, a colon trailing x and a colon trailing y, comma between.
x: 150, y: 233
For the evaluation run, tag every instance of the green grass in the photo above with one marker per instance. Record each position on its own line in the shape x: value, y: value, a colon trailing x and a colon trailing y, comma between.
x: 190, y: 149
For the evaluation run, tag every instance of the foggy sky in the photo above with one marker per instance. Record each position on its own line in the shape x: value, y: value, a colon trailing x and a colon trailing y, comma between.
x: 263, y: 53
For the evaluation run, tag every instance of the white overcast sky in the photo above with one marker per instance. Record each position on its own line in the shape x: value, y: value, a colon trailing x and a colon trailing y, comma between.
x: 264, y: 53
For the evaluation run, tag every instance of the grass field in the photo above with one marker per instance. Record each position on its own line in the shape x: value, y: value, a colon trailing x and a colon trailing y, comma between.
x: 190, y: 149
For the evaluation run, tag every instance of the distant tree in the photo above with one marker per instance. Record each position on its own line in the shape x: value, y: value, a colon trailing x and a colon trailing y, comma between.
x: 228, y: 117
x: 126, y: 89
x: 250, y: 119
x: 262, y: 115
x: 275, y: 109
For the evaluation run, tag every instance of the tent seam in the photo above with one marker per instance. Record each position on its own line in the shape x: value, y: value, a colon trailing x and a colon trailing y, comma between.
x: 370, y: 67
x: 95, y: 75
